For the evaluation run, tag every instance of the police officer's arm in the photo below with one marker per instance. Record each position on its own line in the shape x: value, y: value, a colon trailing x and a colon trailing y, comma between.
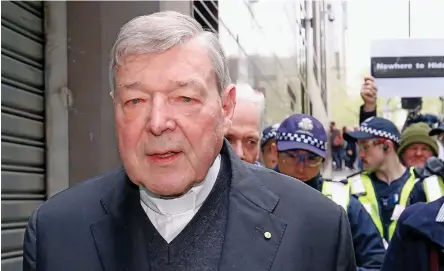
x: 345, y: 258
x: 369, y: 248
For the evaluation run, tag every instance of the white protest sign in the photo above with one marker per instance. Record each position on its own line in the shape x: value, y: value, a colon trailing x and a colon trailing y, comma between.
x: 408, y: 67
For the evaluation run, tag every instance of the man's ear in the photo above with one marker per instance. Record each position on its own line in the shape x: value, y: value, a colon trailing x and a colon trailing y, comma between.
x: 228, y: 106
x: 111, y: 94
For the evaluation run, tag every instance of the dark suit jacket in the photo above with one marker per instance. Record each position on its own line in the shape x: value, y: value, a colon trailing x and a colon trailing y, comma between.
x: 96, y: 226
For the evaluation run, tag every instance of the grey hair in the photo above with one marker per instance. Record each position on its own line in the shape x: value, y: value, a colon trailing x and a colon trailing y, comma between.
x: 244, y: 92
x: 158, y: 32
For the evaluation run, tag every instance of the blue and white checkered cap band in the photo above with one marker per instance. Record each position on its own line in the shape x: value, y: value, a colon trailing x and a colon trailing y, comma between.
x: 303, y: 138
x: 268, y: 136
x: 380, y: 133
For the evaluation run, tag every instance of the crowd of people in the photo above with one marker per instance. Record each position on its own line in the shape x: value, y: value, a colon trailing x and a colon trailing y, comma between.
x: 344, y: 152
x: 204, y: 187
x: 397, y: 169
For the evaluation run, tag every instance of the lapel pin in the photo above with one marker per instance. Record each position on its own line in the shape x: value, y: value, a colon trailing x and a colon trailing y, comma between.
x: 267, y: 235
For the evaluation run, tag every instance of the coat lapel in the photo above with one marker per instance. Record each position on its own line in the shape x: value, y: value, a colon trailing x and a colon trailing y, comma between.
x: 252, y: 238
x: 120, y: 236
x: 253, y: 234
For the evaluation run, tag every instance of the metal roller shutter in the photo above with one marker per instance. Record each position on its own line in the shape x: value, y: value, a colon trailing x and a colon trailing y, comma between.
x: 23, y: 126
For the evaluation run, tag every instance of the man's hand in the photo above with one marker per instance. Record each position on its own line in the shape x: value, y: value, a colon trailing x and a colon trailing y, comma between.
x: 369, y: 94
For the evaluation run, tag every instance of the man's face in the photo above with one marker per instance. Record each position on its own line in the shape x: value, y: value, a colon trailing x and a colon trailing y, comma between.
x: 371, y: 153
x: 269, y: 155
x: 244, y: 134
x: 170, y: 119
x: 416, y: 155
x: 299, y: 164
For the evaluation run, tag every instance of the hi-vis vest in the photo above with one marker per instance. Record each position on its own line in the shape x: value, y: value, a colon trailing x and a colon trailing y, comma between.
x: 338, y: 192
x: 433, y: 187
x: 362, y: 187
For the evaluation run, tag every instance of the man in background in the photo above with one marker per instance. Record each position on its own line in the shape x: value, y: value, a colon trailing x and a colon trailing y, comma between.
x: 268, y: 143
x: 245, y: 132
x: 337, y: 146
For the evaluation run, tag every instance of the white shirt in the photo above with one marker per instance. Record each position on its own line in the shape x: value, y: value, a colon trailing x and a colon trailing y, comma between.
x: 170, y: 215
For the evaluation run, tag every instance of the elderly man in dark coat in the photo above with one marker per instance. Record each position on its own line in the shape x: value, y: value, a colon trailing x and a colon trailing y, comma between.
x: 183, y: 199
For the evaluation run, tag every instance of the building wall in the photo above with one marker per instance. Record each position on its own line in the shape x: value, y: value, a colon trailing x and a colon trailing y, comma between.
x: 336, y: 25
x: 265, y: 44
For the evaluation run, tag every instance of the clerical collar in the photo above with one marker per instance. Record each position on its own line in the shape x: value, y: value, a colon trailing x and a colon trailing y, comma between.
x: 191, y: 200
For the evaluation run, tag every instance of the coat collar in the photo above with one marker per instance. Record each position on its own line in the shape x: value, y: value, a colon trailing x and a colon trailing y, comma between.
x: 119, y: 234
x: 429, y: 221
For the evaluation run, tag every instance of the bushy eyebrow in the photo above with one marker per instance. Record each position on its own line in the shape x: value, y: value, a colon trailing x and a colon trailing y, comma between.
x: 137, y: 85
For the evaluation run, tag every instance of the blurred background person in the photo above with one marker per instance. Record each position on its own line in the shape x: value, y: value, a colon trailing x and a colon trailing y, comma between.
x: 268, y: 142
x: 417, y: 145
x: 350, y: 151
x: 245, y: 132
x: 337, y: 146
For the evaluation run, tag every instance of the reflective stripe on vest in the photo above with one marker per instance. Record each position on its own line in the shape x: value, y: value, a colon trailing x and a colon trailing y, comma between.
x: 338, y: 192
x: 362, y: 187
x: 433, y: 188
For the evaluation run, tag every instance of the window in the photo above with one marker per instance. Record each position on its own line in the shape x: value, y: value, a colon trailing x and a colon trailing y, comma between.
x: 207, y: 14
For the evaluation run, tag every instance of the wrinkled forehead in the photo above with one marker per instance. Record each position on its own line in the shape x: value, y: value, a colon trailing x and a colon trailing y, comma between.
x: 180, y: 65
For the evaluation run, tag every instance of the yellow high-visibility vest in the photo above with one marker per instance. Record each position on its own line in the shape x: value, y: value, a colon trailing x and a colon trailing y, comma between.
x: 433, y: 187
x: 362, y: 187
x: 338, y: 192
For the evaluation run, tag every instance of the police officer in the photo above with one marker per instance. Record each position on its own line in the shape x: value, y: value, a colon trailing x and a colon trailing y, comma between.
x: 418, y: 243
x: 385, y: 186
x: 302, y: 147
x: 268, y: 140
x: 430, y: 185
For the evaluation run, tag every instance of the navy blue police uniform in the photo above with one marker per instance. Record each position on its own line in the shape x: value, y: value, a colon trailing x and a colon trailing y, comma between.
x: 418, y: 242
x: 304, y: 132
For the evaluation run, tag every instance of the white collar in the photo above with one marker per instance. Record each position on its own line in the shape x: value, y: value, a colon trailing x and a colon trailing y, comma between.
x: 191, y: 200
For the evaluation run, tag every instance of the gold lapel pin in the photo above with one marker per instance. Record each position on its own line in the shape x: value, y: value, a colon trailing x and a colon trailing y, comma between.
x: 267, y: 235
